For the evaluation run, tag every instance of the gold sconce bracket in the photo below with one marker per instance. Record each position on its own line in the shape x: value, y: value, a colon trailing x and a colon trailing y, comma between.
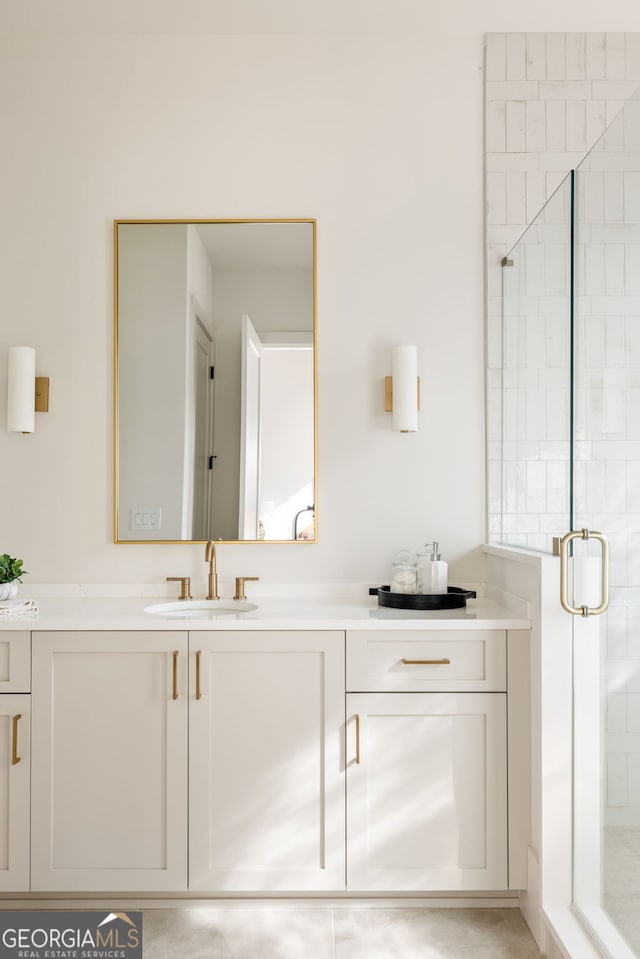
x: 388, y: 394
x: 42, y: 394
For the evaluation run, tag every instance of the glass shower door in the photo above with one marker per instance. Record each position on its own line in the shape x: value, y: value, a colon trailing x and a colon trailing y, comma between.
x: 530, y: 479
x: 565, y: 455
x: 606, y: 497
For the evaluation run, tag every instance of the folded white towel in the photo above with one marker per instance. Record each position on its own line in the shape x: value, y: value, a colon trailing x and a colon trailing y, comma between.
x: 27, y: 608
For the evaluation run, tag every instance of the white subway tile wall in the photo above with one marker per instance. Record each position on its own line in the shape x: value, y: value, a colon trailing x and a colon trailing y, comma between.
x: 549, y: 98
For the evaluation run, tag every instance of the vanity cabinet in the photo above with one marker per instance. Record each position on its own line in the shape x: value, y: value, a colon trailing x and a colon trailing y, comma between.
x: 240, y: 763
x: 266, y: 767
x: 226, y: 761
x: 426, y: 760
x: 15, y: 764
x: 109, y: 797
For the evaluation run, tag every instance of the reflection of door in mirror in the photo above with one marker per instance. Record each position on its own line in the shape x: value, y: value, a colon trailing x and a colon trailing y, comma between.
x: 286, y: 437
x: 203, y: 416
x: 249, y: 492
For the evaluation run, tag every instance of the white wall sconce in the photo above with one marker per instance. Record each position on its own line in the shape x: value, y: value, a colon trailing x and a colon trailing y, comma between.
x: 402, y: 389
x: 27, y: 393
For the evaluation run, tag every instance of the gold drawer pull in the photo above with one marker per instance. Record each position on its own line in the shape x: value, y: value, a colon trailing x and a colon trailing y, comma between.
x: 198, y: 689
x: 426, y: 662
x: 175, y: 674
x: 15, y: 759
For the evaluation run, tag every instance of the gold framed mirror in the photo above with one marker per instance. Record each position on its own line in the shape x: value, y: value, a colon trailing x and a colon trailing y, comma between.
x: 215, y: 381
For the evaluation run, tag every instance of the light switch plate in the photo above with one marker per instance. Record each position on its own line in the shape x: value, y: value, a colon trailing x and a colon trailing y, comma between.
x: 146, y: 518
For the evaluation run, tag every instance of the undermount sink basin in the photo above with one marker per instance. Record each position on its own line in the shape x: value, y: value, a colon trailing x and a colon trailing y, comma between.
x: 200, y: 608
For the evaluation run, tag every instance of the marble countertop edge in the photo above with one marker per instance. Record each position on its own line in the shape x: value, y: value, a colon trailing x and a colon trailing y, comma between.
x: 272, y: 613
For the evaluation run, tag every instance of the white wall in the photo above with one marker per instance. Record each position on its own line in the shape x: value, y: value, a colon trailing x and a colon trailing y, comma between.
x: 199, y: 278
x: 286, y: 446
x: 164, y: 276
x: 366, y: 116
x: 152, y: 344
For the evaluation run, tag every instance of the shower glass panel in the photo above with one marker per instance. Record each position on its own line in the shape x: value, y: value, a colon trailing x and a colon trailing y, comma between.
x: 569, y: 458
x: 534, y: 477
x: 606, y: 492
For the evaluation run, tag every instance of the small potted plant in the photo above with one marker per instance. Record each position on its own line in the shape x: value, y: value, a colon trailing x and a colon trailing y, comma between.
x: 10, y: 572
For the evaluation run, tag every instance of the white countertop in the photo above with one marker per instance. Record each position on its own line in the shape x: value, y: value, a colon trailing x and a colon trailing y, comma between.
x: 127, y: 613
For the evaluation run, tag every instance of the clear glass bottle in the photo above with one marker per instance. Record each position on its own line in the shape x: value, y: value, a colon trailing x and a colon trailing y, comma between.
x: 404, y: 573
x: 432, y: 571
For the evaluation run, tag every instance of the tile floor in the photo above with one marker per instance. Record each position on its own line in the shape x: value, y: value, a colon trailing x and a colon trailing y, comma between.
x: 336, y: 933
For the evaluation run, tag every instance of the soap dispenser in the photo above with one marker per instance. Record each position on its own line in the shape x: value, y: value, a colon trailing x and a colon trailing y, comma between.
x: 432, y: 571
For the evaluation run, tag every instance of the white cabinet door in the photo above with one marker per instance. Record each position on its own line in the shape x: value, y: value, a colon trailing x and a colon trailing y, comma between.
x: 109, y: 798
x: 426, y: 791
x: 266, y: 785
x: 14, y: 792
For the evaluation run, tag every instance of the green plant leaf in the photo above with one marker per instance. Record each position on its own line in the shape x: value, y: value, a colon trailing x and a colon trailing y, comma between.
x: 11, y: 569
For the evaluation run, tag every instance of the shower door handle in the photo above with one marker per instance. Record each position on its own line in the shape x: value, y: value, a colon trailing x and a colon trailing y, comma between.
x: 564, y: 573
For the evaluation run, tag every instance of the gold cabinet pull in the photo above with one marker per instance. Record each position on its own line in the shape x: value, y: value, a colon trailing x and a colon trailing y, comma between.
x: 564, y: 573
x: 175, y: 674
x: 357, y: 739
x: 198, y: 689
x: 15, y: 759
x: 426, y: 662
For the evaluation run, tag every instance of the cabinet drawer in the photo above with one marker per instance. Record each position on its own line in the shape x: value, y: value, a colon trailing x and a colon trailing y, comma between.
x: 15, y: 661
x: 426, y: 660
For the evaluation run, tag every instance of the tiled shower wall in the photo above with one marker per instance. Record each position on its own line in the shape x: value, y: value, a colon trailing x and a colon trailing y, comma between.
x: 549, y: 98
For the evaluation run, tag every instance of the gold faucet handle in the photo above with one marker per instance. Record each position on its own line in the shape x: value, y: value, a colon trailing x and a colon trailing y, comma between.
x: 240, y: 581
x: 185, y: 585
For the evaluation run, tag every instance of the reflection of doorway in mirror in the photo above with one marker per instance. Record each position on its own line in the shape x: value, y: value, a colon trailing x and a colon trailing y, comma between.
x: 250, y: 431
x: 287, y: 438
x: 203, y: 418
x: 277, y: 437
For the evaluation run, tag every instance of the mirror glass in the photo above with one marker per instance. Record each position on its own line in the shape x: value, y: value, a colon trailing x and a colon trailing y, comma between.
x: 215, y: 380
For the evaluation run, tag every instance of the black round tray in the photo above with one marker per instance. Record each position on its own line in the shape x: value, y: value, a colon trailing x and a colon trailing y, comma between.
x: 454, y: 598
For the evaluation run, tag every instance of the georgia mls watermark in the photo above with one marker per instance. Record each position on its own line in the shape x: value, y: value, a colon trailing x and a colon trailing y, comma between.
x: 70, y: 935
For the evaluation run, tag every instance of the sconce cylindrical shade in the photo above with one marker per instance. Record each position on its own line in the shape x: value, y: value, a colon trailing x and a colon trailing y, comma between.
x: 21, y: 389
x: 404, y: 369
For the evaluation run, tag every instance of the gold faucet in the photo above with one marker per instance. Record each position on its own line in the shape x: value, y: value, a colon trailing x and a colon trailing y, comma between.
x: 185, y: 585
x: 210, y: 558
x: 240, y: 581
